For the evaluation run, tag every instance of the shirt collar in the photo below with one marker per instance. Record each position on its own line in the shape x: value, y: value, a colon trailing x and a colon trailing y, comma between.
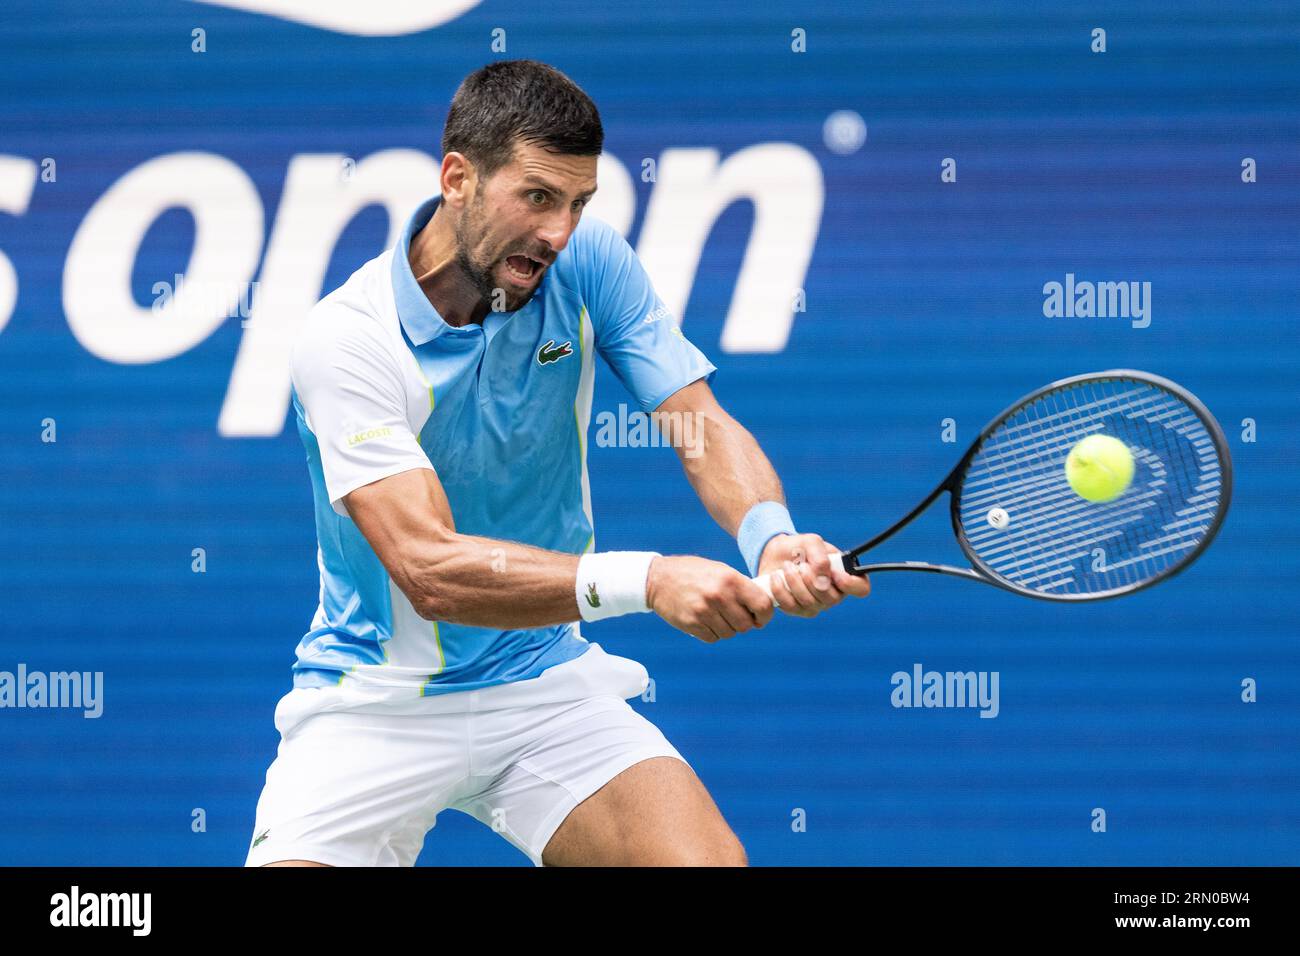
x: 419, y: 318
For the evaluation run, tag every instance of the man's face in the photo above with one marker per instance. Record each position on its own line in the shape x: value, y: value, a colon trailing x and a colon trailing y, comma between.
x: 519, y: 220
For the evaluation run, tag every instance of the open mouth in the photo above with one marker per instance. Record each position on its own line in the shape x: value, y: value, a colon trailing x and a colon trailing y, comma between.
x: 523, y: 269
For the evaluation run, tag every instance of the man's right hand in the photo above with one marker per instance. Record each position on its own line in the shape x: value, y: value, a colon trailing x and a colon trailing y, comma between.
x: 706, y: 599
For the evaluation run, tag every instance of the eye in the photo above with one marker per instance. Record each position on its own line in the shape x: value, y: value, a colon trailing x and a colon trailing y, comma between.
x: 579, y: 204
x: 537, y: 197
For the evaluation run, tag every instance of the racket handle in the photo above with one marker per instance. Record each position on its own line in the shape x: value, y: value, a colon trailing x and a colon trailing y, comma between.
x: 764, y: 581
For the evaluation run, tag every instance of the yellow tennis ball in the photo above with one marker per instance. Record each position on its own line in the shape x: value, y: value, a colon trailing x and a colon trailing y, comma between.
x: 1099, y: 468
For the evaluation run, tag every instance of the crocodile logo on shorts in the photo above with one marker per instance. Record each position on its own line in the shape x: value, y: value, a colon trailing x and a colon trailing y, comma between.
x: 592, y: 597
x: 261, y: 836
x: 549, y: 352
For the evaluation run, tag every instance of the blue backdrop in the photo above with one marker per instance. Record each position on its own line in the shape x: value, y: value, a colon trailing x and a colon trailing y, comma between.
x: 922, y: 301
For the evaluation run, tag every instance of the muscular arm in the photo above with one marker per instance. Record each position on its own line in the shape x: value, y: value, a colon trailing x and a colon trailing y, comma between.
x: 460, y: 578
x: 722, y: 460
x: 731, y: 474
x: 489, y: 582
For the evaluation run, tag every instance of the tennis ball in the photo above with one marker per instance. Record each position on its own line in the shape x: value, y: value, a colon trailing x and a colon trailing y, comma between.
x: 1099, y: 468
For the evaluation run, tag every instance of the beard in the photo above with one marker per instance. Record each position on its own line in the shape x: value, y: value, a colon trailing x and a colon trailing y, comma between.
x: 470, y: 229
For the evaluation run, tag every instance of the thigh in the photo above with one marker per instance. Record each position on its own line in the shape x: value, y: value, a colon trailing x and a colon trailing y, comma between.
x: 596, y: 783
x: 655, y: 813
x: 357, y: 789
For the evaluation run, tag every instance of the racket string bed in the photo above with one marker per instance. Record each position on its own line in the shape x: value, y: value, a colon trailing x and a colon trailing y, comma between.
x: 1054, y: 542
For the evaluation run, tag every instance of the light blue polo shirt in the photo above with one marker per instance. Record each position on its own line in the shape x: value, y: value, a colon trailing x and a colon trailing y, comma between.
x: 499, y: 411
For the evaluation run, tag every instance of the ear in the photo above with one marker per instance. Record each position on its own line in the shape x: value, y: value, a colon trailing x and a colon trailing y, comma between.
x: 459, y: 180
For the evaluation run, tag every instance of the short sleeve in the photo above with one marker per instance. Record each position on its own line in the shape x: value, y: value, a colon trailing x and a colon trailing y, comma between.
x: 349, y: 384
x: 636, y: 334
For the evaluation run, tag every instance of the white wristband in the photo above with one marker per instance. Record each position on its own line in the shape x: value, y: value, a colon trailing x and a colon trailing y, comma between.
x: 611, y: 583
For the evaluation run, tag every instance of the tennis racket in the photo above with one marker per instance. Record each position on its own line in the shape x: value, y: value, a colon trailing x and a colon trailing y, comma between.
x: 1024, y: 529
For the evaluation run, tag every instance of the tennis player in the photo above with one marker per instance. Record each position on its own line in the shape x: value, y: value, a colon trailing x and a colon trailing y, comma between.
x: 443, y: 394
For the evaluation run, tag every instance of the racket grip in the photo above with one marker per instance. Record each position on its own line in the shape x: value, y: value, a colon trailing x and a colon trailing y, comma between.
x: 764, y: 581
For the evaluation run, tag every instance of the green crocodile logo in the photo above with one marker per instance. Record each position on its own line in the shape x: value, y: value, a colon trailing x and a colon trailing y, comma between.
x: 264, y: 834
x: 592, y: 597
x: 549, y: 353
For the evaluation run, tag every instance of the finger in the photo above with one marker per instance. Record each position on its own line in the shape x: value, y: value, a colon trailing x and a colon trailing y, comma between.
x: 859, y: 586
x: 821, y: 581
x: 757, y: 602
x: 823, y: 597
x: 781, y: 591
x: 835, y: 558
x: 851, y: 585
x: 718, y: 624
x: 803, y: 598
x: 736, y: 615
x: 703, y: 632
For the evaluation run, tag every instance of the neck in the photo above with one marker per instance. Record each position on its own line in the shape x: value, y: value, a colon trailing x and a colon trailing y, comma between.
x: 433, y: 262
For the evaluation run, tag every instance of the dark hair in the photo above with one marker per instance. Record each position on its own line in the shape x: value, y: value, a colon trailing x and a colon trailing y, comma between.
x: 514, y: 101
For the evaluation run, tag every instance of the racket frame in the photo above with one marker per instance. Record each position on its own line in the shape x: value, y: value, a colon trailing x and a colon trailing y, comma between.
x: 980, y: 571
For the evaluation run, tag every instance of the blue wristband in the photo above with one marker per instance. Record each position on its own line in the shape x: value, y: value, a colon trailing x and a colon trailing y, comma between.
x: 761, y: 524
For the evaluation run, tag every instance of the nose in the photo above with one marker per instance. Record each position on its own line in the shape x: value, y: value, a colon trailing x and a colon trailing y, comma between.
x: 556, y: 228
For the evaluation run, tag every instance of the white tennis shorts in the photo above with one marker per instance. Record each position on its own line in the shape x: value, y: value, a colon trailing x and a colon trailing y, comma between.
x: 359, y: 778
